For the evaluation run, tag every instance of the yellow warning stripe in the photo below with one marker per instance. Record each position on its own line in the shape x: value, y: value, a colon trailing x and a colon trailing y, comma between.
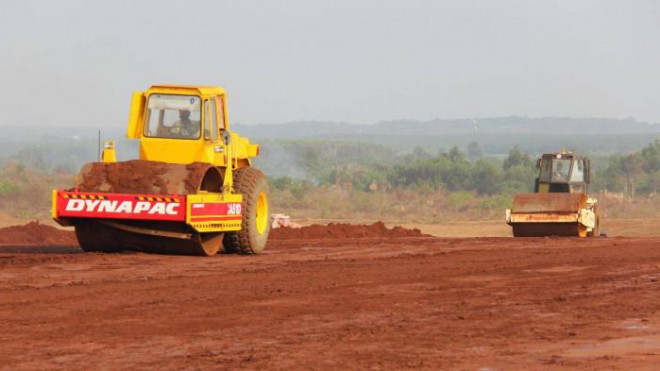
x: 157, y: 199
x: 99, y: 197
x: 83, y: 197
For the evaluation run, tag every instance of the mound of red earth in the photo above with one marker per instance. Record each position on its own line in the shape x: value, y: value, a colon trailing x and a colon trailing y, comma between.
x: 142, y: 177
x: 335, y: 230
x: 37, y: 234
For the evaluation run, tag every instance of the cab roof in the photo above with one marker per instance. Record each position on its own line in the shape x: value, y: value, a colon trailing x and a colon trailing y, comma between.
x: 562, y: 154
x: 187, y: 89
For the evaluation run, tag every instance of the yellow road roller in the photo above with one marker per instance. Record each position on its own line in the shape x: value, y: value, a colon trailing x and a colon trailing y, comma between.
x: 560, y: 205
x: 193, y: 189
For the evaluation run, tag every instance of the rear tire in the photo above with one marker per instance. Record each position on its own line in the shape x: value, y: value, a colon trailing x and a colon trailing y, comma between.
x: 253, y: 236
x: 96, y: 237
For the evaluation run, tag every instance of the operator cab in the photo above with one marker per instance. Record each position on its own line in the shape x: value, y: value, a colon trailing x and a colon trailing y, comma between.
x: 172, y: 116
x: 562, y: 173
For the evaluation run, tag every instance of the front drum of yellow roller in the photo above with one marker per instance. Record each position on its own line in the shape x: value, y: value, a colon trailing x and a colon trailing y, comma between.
x: 549, y: 229
x: 548, y: 214
x: 147, y: 178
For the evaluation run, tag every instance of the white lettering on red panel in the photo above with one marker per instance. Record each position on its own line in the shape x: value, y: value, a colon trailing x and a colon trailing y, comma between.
x: 123, y: 207
x: 234, y: 209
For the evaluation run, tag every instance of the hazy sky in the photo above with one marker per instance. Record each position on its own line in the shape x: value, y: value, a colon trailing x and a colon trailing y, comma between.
x: 77, y: 62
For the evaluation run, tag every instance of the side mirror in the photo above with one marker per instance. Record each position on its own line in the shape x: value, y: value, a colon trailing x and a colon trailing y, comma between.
x: 226, y: 137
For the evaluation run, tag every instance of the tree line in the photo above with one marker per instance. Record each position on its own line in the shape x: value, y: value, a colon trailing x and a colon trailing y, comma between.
x: 633, y: 173
x: 451, y: 171
x: 376, y: 169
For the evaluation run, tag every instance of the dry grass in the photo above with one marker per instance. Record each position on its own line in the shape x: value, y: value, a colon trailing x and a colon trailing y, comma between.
x: 418, y: 205
x: 426, y: 205
x: 26, y: 195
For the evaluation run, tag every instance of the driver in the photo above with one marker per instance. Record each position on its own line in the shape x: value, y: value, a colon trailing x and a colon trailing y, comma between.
x: 559, y: 173
x: 185, y: 127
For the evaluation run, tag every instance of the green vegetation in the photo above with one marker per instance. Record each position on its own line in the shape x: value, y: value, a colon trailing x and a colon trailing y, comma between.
x: 633, y: 173
x: 375, y: 168
x: 27, y: 194
x: 368, y: 167
x: 315, y: 179
x: 420, y: 186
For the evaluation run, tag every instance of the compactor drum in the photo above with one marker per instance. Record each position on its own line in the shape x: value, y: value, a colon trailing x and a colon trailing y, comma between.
x: 559, y: 205
x: 193, y: 190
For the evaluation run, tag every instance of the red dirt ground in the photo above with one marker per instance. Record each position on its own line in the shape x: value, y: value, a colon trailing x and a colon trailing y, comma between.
x: 337, y: 230
x: 338, y: 303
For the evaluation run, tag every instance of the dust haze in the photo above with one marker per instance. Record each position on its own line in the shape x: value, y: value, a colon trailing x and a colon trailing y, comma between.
x: 74, y: 63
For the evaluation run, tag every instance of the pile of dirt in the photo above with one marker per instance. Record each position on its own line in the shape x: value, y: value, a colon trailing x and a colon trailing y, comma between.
x: 35, y: 233
x: 124, y: 177
x: 336, y: 230
x: 142, y: 177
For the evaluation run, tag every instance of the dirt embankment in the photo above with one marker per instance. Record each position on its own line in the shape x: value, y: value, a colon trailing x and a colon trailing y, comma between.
x: 35, y: 233
x: 335, y: 230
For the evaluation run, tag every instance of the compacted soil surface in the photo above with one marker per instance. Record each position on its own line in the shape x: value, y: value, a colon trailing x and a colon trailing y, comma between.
x: 363, y: 301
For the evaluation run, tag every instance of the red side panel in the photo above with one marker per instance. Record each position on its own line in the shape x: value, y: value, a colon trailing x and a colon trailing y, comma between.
x: 120, y: 206
x: 215, y: 212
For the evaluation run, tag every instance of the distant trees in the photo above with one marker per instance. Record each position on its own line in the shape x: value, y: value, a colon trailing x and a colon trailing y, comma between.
x: 519, y: 172
x: 474, y: 152
x: 651, y: 159
x: 448, y: 170
x: 651, y: 156
x: 634, y: 172
x: 632, y: 165
x: 486, y: 178
x: 517, y: 158
x: 371, y: 168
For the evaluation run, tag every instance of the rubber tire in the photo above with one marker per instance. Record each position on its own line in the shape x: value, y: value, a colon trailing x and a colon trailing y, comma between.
x: 249, y: 182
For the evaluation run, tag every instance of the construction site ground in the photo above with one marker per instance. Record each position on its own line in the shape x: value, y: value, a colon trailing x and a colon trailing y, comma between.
x: 339, y: 302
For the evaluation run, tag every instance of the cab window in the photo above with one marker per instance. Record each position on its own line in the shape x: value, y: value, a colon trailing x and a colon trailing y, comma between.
x: 211, y: 127
x: 560, y: 169
x: 221, y: 114
x: 546, y: 169
x: 577, y: 175
x: 173, y: 116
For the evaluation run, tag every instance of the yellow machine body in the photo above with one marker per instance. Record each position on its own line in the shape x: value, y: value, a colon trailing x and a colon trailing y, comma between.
x: 223, y: 148
x: 192, y: 185
x: 559, y: 205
